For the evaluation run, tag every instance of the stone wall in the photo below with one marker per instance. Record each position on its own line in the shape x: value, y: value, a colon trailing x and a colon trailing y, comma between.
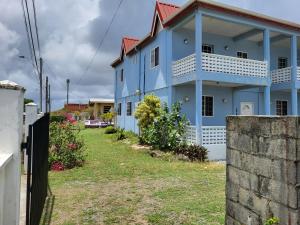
x: 263, y: 170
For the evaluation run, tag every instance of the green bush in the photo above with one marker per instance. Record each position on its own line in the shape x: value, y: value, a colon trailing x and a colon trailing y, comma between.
x: 66, y: 148
x: 193, y: 152
x: 110, y: 130
x: 147, y: 111
x: 58, y: 119
x: 120, y: 134
x: 167, y: 130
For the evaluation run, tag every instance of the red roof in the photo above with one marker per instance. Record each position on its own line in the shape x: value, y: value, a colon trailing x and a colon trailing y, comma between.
x: 128, y: 43
x: 165, y: 10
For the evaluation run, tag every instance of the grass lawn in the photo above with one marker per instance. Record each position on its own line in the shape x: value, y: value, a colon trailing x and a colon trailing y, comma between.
x: 121, y: 185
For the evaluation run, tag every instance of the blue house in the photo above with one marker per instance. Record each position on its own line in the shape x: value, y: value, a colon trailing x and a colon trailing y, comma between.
x: 215, y: 59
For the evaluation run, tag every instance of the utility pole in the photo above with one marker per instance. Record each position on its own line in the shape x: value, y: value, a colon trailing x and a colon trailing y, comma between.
x: 68, y: 84
x: 46, y: 100
x: 41, y: 84
x: 49, y: 98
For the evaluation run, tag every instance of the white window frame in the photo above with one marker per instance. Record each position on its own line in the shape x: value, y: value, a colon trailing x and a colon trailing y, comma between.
x: 213, y: 106
x: 243, y: 52
x: 287, y: 106
x: 153, y: 50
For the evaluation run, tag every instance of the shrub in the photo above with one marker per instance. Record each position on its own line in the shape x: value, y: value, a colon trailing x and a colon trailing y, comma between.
x: 193, y: 152
x: 110, y: 130
x: 167, y: 130
x: 147, y: 111
x: 108, y: 117
x: 66, y: 148
x: 57, y: 118
x: 120, y: 134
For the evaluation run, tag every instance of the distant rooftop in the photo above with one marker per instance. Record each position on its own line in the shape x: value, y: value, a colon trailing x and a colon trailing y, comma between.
x: 101, y: 100
x: 6, y: 84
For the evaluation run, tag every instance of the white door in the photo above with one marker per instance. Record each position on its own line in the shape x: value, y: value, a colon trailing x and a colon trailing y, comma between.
x: 247, y: 108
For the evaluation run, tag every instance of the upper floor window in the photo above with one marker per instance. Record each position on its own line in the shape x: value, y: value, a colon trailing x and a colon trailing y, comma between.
x: 207, y: 105
x: 154, y: 57
x: 243, y: 55
x: 281, y: 108
x: 129, y: 108
x: 122, y: 75
x: 207, y: 48
x: 119, y: 109
x: 282, y: 62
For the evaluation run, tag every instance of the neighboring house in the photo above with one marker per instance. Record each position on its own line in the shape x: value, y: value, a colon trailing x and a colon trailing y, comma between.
x: 74, y: 107
x: 215, y: 59
x: 101, y: 105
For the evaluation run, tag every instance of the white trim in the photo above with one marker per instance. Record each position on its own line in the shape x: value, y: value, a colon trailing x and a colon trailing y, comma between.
x: 213, y: 106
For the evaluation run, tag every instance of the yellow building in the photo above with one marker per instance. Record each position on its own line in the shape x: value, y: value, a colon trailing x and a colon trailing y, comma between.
x: 101, y: 106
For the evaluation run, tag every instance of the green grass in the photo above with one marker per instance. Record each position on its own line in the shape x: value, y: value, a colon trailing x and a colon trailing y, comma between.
x: 122, y: 185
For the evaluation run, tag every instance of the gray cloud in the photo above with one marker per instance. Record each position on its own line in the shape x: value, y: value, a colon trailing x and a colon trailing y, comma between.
x: 70, y: 31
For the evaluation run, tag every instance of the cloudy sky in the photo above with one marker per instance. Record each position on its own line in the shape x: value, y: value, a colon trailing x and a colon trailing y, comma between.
x: 70, y: 31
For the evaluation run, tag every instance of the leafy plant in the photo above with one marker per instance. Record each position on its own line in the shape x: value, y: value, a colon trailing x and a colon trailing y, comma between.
x: 120, y: 134
x: 58, y: 119
x: 193, y: 152
x: 167, y: 130
x: 108, y: 117
x: 272, y: 220
x: 66, y: 148
x: 147, y: 111
x: 110, y: 130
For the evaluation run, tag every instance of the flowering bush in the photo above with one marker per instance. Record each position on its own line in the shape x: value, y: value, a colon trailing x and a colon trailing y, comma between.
x: 66, y: 148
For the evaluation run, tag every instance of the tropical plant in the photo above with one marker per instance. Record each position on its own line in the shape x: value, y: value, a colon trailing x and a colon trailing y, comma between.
x: 147, y: 111
x: 167, y: 130
x: 66, y: 147
x: 120, y: 134
x: 108, y: 117
x: 110, y: 130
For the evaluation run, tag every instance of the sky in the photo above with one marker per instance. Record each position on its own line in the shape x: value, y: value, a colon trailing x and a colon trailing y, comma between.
x: 70, y: 31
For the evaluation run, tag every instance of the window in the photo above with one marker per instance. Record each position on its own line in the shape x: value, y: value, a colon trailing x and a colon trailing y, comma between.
x: 122, y: 75
x: 119, y: 109
x: 207, y: 105
x: 282, y: 62
x: 106, y: 108
x: 281, y: 108
x: 129, y: 109
x: 243, y: 55
x: 154, y: 57
x: 207, y: 48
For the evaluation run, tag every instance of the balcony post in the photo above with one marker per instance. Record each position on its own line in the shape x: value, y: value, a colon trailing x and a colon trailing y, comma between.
x: 198, y: 88
x: 267, y: 89
x: 169, y: 58
x: 294, y: 94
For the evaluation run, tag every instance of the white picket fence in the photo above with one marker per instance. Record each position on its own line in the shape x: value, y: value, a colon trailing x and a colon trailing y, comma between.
x: 221, y: 63
x: 283, y: 75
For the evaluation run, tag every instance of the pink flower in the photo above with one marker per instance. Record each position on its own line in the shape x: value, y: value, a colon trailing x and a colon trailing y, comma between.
x: 57, y: 166
x: 72, y: 146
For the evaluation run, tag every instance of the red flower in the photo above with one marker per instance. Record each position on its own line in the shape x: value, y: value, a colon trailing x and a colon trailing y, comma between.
x: 72, y: 146
x: 57, y: 166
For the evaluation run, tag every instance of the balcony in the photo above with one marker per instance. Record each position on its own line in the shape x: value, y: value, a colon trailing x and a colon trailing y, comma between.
x: 283, y: 75
x: 221, y: 64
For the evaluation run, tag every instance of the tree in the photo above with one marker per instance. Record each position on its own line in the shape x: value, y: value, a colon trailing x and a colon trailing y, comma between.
x: 108, y: 117
x: 147, y: 111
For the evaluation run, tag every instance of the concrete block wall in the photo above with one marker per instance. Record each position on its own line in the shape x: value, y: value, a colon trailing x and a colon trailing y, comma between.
x: 263, y: 170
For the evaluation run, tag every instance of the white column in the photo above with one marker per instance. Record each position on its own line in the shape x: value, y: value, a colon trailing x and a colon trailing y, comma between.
x: 294, y: 90
x: 30, y: 117
x: 11, y: 129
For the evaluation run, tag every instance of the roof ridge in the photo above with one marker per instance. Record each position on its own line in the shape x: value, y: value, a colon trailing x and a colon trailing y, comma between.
x: 130, y: 38
x: 168, y: 4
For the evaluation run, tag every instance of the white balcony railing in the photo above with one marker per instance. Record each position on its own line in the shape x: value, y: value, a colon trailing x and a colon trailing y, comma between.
x: 211, y: 135
x: 283, y: 75
x: 221, y: 63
